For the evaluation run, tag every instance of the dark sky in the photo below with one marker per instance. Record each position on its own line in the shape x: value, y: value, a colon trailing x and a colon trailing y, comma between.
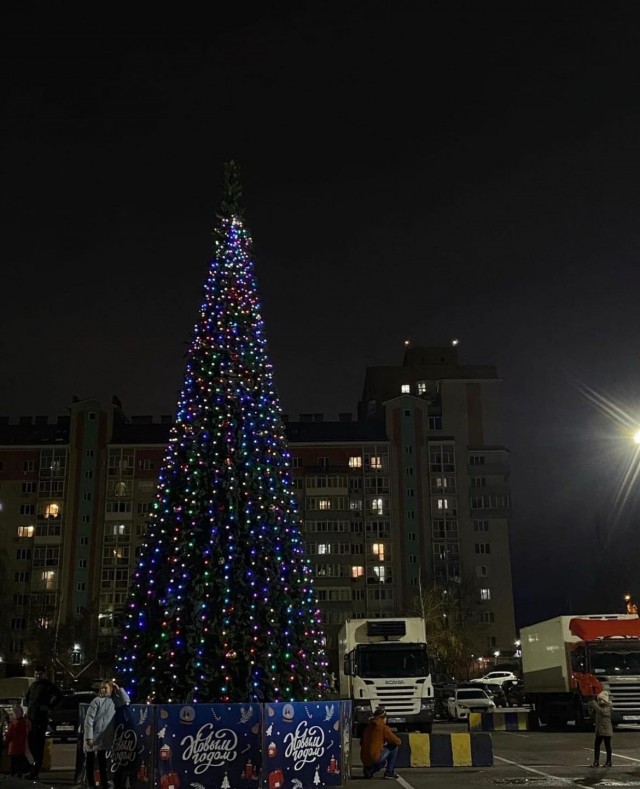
x: 426, y: 170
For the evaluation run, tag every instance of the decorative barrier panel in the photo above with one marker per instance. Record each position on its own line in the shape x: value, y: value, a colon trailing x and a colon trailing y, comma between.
x: 228, y: 746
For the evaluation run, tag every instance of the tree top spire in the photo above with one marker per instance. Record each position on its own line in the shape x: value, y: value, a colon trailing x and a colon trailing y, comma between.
x: 231, y: 191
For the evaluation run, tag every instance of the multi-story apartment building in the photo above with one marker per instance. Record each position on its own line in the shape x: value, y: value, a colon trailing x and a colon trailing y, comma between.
x: 415, y: 492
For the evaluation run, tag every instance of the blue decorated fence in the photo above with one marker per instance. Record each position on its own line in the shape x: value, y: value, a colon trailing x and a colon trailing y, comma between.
x: 229, y: 746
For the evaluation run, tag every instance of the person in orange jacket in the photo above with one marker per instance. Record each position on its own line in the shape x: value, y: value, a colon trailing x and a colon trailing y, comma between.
x: 379, y: 746
x: 17, y: 738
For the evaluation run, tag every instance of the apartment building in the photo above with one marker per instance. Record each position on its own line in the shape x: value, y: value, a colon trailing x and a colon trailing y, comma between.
x: 414, y: 492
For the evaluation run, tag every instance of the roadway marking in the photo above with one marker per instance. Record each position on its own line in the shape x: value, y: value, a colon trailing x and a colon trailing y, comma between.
x: 533, y: 770
x: 618, y: 755
x: 404, y: 783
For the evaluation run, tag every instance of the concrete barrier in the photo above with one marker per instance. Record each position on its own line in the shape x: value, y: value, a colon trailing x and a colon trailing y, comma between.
x: 458, y: 749
x: 498, y: 720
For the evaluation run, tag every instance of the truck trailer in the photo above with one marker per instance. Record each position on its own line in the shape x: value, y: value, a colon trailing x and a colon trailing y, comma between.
x: 384, y: 662
x: 568, y: 660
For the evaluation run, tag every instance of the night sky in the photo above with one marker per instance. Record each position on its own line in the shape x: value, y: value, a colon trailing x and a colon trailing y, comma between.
x: 465, y: 170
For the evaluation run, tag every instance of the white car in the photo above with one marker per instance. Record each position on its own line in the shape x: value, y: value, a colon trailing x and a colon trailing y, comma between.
x: 495, y: 677
x: 466, y: 700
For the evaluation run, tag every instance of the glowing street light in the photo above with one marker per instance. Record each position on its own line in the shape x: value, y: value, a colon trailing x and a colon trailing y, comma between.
x: 636, y: 436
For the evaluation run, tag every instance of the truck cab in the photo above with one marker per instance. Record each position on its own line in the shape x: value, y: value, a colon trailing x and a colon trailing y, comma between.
x: 384, y: 662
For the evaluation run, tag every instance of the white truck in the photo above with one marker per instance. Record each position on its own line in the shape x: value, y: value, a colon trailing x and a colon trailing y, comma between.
x: 384, y: 662
x: 568, y: 660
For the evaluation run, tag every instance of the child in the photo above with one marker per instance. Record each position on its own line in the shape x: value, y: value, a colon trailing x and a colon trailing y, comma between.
x: 17, y: 737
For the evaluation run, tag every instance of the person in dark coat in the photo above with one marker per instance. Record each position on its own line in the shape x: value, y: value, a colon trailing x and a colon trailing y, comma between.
x: 379, y: 746
x: 41, y: 698
x: 602, y: 707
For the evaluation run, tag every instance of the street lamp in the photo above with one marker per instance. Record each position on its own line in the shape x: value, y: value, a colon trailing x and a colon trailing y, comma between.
x: 636, y: 436
x: 496, y: 655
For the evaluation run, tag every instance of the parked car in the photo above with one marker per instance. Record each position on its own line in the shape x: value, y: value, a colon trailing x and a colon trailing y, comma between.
x: 64, y: 719
x: 466, y: 700
x: 495, y: 677
x: 495, y: 692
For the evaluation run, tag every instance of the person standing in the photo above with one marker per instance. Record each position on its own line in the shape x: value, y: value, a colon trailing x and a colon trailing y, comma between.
x: 379, y: 746
x: 602, y: 707
x: 41, y: 698
x: 17, y: 738
x: 99, y: 727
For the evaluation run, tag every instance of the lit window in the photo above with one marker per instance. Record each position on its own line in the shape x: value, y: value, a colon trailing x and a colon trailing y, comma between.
x: 485, y: 594
x: 378, y: 550
x: 25, y: 531
x: 443, y: 504
x: 324, y: 547
x: 375, y: 461
x: 377, y: 506
x: 405, y: 388
x: 355, y: 461
x: 49, y: 579
x: 121, y: 489
x: 51, y: 511
x: 381, y: 573
x: 324, y: 504
x: 357, y: 571
x: 422, y: 387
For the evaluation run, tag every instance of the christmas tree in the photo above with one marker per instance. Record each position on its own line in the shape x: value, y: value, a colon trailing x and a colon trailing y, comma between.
x: 222, y: 606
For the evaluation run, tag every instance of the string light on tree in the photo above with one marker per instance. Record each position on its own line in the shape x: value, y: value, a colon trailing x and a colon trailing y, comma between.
x: 222, y: 606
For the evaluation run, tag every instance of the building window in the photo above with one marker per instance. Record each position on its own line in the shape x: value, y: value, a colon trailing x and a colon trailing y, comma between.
x: 487, y: 617
x: 482, y: 547
x: 23, y: 553
x: 443, y: 504
x: 81, y: 587
x: 146, y: 465
x: 485, y: 593
x: 84, y: 519
x: 413, y: 559
x: 88, y: 474
x: 324, y: 504
x: 29, y: 465
x: 84, y: 541
x: 435, y: 423
x: 323, y: 462
x: 357, y: 571
x: 89, y: 453
x: 481, y: 525
x: 411, y: 492
x: 92, y: 416
x: 481, y: 571
x: 408, y: 450
x: 25, y: 531
x: 422, y: 387
x: 377, y: 549
x: 478, y: 482
x: 18, y: 623
x: 405, y: 389
x: 118, y: 506
x: 377, y: 506
x: 82, y: 564
x: 22, y: 576
x: 27, y: 509
x: 355, y: 461
x: 86, y: 497
x: 412, y: 536
x: 28, y: 487
x: 476, y: 460
x: 375, y: 461
x: 407, y: 412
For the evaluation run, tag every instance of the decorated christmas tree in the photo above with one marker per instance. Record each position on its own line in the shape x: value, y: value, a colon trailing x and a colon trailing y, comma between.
x: 222, y: 606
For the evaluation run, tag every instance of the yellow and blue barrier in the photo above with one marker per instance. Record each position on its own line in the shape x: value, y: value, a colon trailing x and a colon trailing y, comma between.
x: 458, y: 749
x: 498, y: 720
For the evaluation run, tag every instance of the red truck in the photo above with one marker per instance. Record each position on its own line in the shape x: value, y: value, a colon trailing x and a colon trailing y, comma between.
x: 568, y: 660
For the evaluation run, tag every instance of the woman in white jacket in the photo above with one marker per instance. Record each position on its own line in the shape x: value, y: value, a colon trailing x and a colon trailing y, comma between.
x: 99, y: 728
